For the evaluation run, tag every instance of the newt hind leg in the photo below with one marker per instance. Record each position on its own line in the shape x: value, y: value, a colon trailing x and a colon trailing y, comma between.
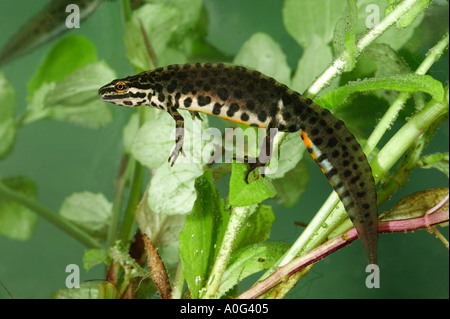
x: 263, y: 158
x: 179, y: 132
x: 253, y: 164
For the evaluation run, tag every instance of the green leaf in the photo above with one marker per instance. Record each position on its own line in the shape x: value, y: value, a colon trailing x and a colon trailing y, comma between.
x: 7, y: 116
x: 262, y: 53
x: 290, y: 153
x: 162, y: 229
x: 243, y: 194
x: 65, y: 85
x: 361, y: 111
x: 16, y: 221
x: 291, y: 186
x: 387, y: 60
x: 351, y: 16
x: 37, y: 109
x: 91, y: 212
x: 249, y: 260
x: 94, y: 114
x: 316, y: 57
x: 170, y: 26
x: 95, y: 256
x: 169, y: 254
x: 67, y: 55
x: 74, y: 99
x: 172, y: 188
x: 159, y: 22
x: 345, y: 35
x: 305, y: 19
x: 191, y: 10
x: 394, y: 37
x: 439, y: 161
x: 81, y: 85
x: 202, y: 234
x: 401, y: 82
x: 158, y: 134
x: 416, y: 204
x: 409, y: 17
x: 87, y: 290
x: 256, y: 227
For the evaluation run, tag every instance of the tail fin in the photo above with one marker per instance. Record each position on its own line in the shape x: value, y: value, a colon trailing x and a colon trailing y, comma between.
x: 345, y: 165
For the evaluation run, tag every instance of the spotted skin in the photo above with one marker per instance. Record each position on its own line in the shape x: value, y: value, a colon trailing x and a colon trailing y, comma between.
x: 249, y: 97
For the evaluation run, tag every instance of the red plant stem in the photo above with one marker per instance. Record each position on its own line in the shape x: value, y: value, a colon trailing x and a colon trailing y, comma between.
x: 390, y: 226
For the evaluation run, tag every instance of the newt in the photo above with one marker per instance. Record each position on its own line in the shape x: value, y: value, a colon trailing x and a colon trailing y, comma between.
x: 247, y: 96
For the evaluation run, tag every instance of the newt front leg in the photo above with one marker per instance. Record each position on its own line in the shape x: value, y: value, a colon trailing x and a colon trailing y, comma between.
x: 263, y: 157
x: 179, y: 134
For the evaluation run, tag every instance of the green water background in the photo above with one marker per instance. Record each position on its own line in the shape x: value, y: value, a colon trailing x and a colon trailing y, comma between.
x: 62, y: 158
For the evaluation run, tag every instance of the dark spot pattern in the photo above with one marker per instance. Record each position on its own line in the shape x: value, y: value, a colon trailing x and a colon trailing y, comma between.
x: 203, y: 100
x: 317, y: 141
x: 332, y: 142
x: 217, y: 108
x: 354, y: 179
x: 312, y: 120
x: 262, y: 116
x: 286, y: 116
x: 245, y: 117
x: 274, y: 109
x: 321, y: 158
x: 238, y: 94
x: 245, y: 95
x: 222, y: 93
x: 250, y: 105
x: 234, y: 107
x: 331, y: 173
x: 187, y: 102
x: 172, y: 86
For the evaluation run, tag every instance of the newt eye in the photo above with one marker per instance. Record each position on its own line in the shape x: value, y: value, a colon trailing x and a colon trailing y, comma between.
x: 120, y: 86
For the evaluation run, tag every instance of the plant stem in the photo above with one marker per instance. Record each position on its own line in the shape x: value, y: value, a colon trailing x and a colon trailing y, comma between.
x: 178, y: 282
x: 126, y: 10
x: 383, y: 162
x: 52, y: 217
x: 118, y: 194
x: 340, y: 63
x: 328, y: 216
x: 403, y: 139
x: 412, y: 159
x: 433, y: 55
x: 391, y: 115
x: 135, y: 192
x: 336, y: 243
x: 406, y: 136
x: 133, y: 200
x: 237, y: 218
